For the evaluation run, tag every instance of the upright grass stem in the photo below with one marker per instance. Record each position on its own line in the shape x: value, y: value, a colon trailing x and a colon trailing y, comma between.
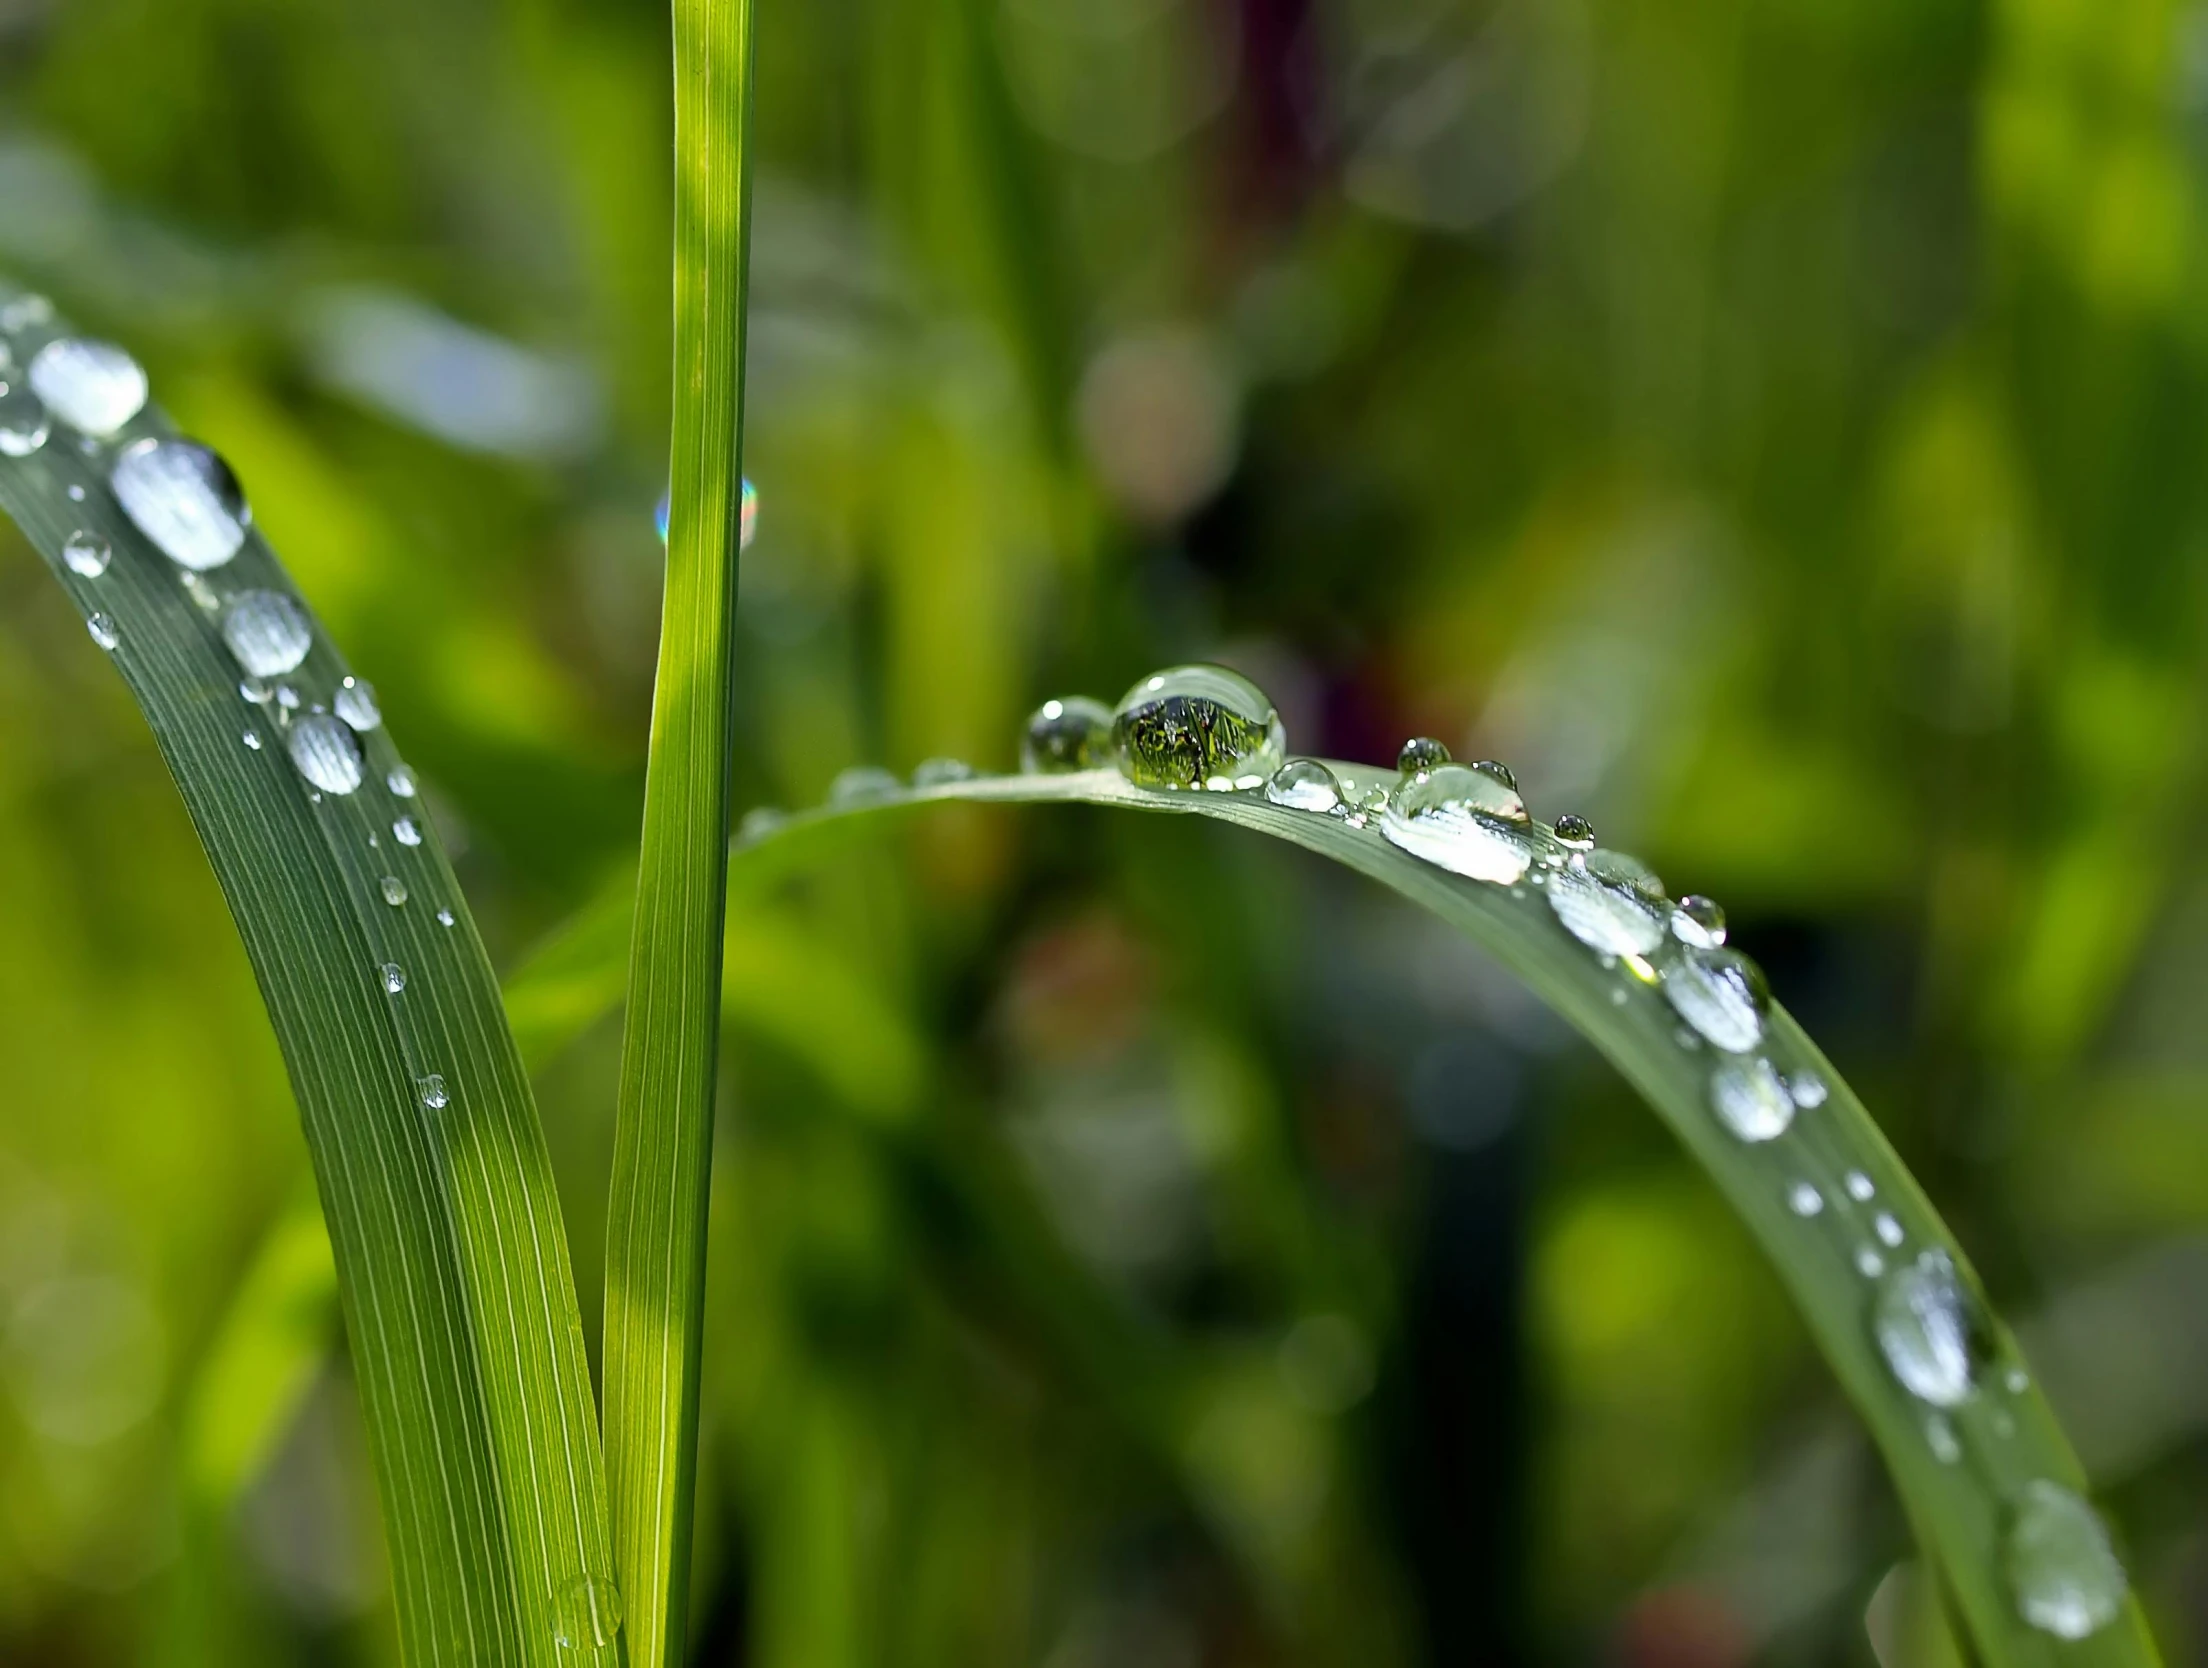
x: 656, y: 1224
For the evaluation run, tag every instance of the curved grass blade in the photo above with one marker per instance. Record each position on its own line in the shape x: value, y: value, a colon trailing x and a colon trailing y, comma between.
x: 1965, y: 1471
x: 432, y: 1169
x: 656, y: 1212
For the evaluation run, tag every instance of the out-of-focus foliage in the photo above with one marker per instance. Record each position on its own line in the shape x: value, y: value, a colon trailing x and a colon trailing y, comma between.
x: 1774, y: 430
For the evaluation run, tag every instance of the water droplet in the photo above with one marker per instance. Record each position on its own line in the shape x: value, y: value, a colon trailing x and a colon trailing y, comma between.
x: 24, y: 424
x: 1198, y: 727
x: 863, y: 785
x: 104, y: 631
x: 2018, y: 1381
x: 1306, y: 785
x: 394, y: 890
x: 87, y: 554
x: 1365, y: 804
x: 25, y: 312
x: 445, y: 917
x: 663, y: 515
x: 1699, y: 921
x: 287, y: 697
x: 433, y: 1092
x: 326, y: 754
x: 1421, y: 753
x: 202, y: 594
x: 1463, y: 818
x: 1887, y: 1228
x: 937, y: 773
x: 759, y: 822
x: 407, y: 832
x: 253, y: 741
x: 253, y: 690
x: 94, y: 387
x: 1610, y: 903
x: 267, y: 631
x: 1750, y: 1099
x: 1932, y: 1330
x: 75, y: 489
x: 1805, y: 1200
x: 394, y: 978
x: 356, y: 704
x: 586, y: 1615
x: 400, y: 781
x: 185, y: 499
x: 1066, y: 734
x: 1939, y: 1436
x: 1575, y: 833
x: 1807, y: 1088
x: 1859, y: 1186
x: 2067, y: 1578
x: 1869, y: 1263
x: 1721, y: 994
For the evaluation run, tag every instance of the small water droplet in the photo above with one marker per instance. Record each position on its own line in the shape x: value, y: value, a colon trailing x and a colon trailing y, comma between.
x: 394, y: 978
x: 445, y: 917
x: 1804, y: 1200
x: 2066, y: 1576
x: 1618, y: 997
x: 1721, y: 994
x: 24, y: 424
x: 25, y: 312
x: 1575, y: 833
x: 863, y: 785
x: 1699, y: 921
x: 2018, y: 1381
x: 400, y: 781
x: 87, y: 554
x: 253, y: 741
x: 1932, y: 1330
x: 1305, y: 785
x: 75, y: 490
x: 407, y: 832
x: 1750, y: 1099
x: 1807, y: 1088
x: 356, y: 704
x: 1887, y: 1228
x: 434, y: 1095
x: 94, y: 387
x: 394, y: 890
x: 287, y: 697
x: 1869, y: 1263
x: 326, y: 754
x: 1421, y: 753
x: 184, y: 498
x: 759, y: 822
x: 1463, y: 818
x: 202, y: 594
x: 586, y: 1615
x: 939, y: 773
x: 1859, y: 1186
x: 1939, y: 1436
x: 1365, y: 804
x: 1610, y: 903
x: 1198, y: 727
x: 267, y: 631
x: 104, y: 631
x: 252, y: 689
x: 1072, y: 732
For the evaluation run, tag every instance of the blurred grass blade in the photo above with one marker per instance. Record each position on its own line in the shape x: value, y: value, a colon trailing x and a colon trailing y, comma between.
x: 656, y: 1215
x: 439, y: 1200
x: 1963, y: 1471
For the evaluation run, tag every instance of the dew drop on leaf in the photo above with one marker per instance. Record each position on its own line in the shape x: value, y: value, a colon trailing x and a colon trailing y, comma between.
x: 2066, y: 1577
x: 863, y: 785
x: 1463, y: 818
x: 184, y: 498
x: 325, y: 753
x: 94, y: 387
x: 400, y: 781
x: 1888, y: 1229
x: 586, y: 1614
x: 1421, y: 753
x: 937, y: 773
x: 267, y: 632
x: 445, y: 918
x: 1305, y: 785
x: 253, y: 740
x: 1610, y: 903
x: 1940, y: 1437
x: 1807, y: 1088
x: 759, y: 822
x: 104, y: 631
x: 1699, y: 921
x: 1072, y: 732
x: 434, y: 1095
x: 87, y: 555
x: 1750, y: 1100
x: 1859, y: 1186
x: 394, y: 978
x: 1575, y: 833
x: 1721, y: 994
x: 407, y: 831
x: 394, y: 890
x: 1198, y: 727
x: 24, y: 424
x: 1803, y: 1199
x: 355, y: 702
x: 1869, y: 1263
x: 1932, y: 1330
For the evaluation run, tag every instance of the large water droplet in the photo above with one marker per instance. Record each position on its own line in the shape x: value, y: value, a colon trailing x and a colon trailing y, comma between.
x: 1067, y: 734
x: 1200, y: 727
x: 1721, y: 994
x: 94, y: 387
x: 87, y: 555
x: 1305, y: 785
x: 1932, y: 1330
x: 1575, y: 833
x: 104, y: 631
x: 355, y: 702
x: 2067, y: 1578
x: 24, y: 424
x: 747, y: 520
x: 267, y: 631
x: 394, y: 890
x: 184, y: 498
x: 863, y: 785
x: 1610, y: 903
x: 326, y: 753
x: 586, y: 1615
x: 434, y: 1094
x: 1750, y: 1099
x: 394, y: 978
x: 1421, y: 753
x: 1699, y: 921
x: 941, y: 773
x: 1463, y: 818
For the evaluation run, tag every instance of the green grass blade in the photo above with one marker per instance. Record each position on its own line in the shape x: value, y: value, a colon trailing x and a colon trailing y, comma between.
x: 655, y: 1232
x: 2006, y: 1435
x: 450, y: 1254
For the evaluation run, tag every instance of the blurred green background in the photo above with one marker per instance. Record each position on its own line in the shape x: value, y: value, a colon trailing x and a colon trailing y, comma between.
x: 1775, y: 429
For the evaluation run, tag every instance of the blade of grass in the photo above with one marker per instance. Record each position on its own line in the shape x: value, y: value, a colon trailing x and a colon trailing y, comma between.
x: 655, y: 1234
x: 2007, y: 1436
x: 451, y: 1259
